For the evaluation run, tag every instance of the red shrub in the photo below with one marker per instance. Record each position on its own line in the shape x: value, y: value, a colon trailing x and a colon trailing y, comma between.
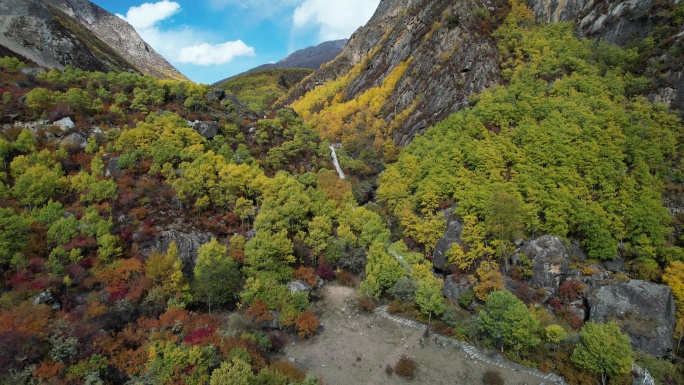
x: 405, y: 367
x: 198, y: 336
x: 307, y: 275
x: 288, y: 370
x: 345, y: 278
x: 18, y: 278
x: 307, y: 323
x: 570, y: 291
x: 325, y: 271
x: 118, y: 294
x: 259, y: 312
x: 39, y: 284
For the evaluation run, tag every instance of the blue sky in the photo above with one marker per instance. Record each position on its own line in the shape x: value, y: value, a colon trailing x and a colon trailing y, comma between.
x: 208, y: 40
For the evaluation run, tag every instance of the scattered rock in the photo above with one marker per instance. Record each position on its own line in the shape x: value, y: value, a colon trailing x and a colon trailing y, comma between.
x: 454, y: 287
x: 207, y: 130
x: 47, y: 298
x: 645, y: 311
x: 74, y: 139
x: 615, y: 265
x: 112, y: 167
x: 550, y: 260
x: 65, y: 124
x: 298, y: 286
x: 31, y: 71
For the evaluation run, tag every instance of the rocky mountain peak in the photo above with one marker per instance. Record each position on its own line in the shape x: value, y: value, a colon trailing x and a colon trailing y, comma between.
x: 55, y: 33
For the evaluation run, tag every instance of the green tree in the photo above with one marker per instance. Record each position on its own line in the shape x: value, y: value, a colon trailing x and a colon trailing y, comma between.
x: 509, y: 321
x: 165, y: 271
x: 674, y: 277
x: 38, y: 98
x: 270, y: 254
x: 429, y: 297
x: 38, y: 184
x: 217, y: 277
x: 235, y: 372
x: 26, y: 142
x: 504, y: 220
x: 603, y: 350
x: 12, y: 234
x: 382, y: 271
x: 319, y: 234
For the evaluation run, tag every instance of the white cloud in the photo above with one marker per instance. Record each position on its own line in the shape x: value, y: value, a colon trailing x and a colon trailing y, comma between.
x: 211, y: 54
x: 183, y: 44
x: 263, y: 6
x: 334, y: 19
x: 148, y: 15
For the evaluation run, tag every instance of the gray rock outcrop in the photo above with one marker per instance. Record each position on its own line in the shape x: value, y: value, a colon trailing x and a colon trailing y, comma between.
x: 207, y: 130
x: 645, y: 311
x: 47, y: 298
x: 74, y: 139
x: 215, y: 95
x: 187, y: 243
x: 451, y: 235
x: 550, y: 258
x: 454, y: 287
x: 299, y: 286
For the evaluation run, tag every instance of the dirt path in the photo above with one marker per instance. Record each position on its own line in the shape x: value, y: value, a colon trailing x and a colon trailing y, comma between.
x: 355, y: 347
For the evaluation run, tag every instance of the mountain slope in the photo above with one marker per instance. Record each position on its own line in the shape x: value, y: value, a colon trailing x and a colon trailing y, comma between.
x: 55, y: 33
x: 447, y: 57
x: 310, y: 57
x: 655, y: 28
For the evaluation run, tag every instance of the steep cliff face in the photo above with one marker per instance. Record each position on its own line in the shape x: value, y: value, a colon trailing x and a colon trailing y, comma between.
x: 119, y: 35
x: 447, y: 52
x: 655, y: 27
x: 55, y: 33
x: 32, y: 29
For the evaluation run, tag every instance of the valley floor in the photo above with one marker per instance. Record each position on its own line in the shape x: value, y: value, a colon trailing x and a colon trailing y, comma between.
x: 355, y: 347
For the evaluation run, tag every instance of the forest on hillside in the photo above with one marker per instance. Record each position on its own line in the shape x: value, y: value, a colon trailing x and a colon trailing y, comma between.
x: 97, y: 167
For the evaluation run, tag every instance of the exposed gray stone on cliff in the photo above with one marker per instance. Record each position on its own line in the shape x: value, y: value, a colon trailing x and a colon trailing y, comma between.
x: 451, y: 235
x: 623, y: 22
x: 550, y: 258
x: 645, y: 311
x: 207, y: 130
x: 56, y: 33
x: 187, y: 243
x: 30, y: 29
x: 450, y: 62
x: 118, y: 34
x: 455, y: 286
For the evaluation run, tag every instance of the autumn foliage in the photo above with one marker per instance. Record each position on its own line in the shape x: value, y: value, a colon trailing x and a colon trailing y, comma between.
x: 307, y: 323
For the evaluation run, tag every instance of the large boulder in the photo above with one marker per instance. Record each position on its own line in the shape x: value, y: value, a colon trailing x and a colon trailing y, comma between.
x: 215, y: 95
x: 207, y: 130
x: 299, y: 286
x: 75, y: 139
x: 455, y: 286
x: 550, y: 258
x: 64, y: 125
x: 645, y: 311
x: 187, y: 243
x: 452, y: 234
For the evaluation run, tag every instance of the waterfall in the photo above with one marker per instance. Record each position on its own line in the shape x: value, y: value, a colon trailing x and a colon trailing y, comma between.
x: 336, y: 163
